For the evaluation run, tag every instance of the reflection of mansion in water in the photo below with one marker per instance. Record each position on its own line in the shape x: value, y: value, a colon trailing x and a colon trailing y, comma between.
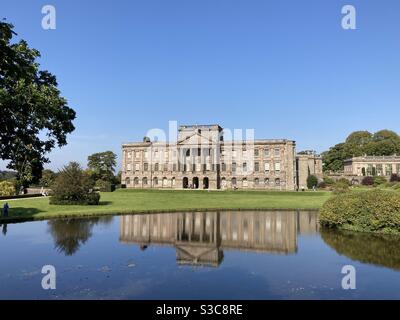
x: 200, y: 238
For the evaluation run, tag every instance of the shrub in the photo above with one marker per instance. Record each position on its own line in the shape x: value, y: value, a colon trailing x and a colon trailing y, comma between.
x: 7, y: 189
x: 73, y: 186
x: 367, y: 181
x: 329, y: 181
x: 344, y: 181
x: 341, y: 187
x: 379, y: 181
x: 105, y: 186
x: 394, y: 178
x: 312, y: 181
x: 374, y: 210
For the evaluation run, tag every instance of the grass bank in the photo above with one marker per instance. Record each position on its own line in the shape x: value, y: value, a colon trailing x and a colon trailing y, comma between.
x: 126, y: 201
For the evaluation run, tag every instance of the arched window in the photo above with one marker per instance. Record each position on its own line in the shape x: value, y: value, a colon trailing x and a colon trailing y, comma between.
x: 136, y: 181
x: 144, y: 181
x: 155, y: 181
x: 156, y: 167
x: 128, y: 181
x: 266, y: 181
x: 173, y: 182
x: 245, y: 183
x: 165, y: 182
x: 256, y: 181
x: 277, y: 182
x: 223, y: 182
x: 234, y: 182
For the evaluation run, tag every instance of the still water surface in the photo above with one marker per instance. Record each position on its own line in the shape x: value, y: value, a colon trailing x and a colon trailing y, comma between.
x: 211, y: 255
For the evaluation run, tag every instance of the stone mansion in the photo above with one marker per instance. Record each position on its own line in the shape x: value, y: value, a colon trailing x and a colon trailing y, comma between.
x: 202, y: 159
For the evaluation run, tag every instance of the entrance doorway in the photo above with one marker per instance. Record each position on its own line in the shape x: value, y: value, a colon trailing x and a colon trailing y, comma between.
x: 185, y: 183
x: 205, y: 183
x: 195, y: 183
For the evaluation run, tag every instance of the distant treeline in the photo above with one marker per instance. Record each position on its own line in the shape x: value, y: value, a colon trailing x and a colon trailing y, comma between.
x: 6, y: 175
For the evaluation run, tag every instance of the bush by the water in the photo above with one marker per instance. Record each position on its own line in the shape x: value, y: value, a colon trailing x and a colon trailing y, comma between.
x: 372, y: 211
x: 7, y: 188
x: 73, y: 186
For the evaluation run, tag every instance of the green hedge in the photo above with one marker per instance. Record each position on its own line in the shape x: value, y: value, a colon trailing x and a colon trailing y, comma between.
x: 371, y: 211
x: 89, y: 199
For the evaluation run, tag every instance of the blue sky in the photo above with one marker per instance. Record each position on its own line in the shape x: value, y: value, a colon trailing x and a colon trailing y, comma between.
x: 285, y: 68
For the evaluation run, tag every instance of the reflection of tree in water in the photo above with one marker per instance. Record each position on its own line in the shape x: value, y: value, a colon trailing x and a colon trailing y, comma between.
x: 382, y: 250
x: 70, y: 234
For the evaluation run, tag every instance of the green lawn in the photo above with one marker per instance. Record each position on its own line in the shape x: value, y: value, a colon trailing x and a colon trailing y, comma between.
x: 132, y: 201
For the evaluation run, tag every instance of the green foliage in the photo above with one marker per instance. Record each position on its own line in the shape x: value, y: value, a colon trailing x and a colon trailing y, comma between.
x: 382, y: 143
x: 373, y: 211
x: 379, y: 181
x: 344, y: 181
x: 47, y: 179
x: 329, y: 181
x: 30, y: 104
x: 7, y: 188
x: 105, y: 186
x: 341, y: 187
x: 73, y: 186
x: 103, y: 165
x: 312, y: 181
x: 367, y: 181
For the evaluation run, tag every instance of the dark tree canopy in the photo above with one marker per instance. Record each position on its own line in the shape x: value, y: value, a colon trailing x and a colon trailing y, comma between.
x: 35, y: 118
x: 359, y: 143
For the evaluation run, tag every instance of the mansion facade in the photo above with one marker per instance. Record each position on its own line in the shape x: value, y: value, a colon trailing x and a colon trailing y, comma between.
x: 202, y: 159
x: 372, y: 166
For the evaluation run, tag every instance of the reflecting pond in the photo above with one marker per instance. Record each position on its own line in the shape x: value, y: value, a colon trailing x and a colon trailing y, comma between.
x: 204, y: 255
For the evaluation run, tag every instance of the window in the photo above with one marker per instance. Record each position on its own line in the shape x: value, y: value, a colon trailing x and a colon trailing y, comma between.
x: 173, y: 182
x: 389, y: 169
x: 136, y: 181
x: 245, y: 183
x: 137, y: 167
x: 146, y: 154
x: 256, y: 166
x: 129, y: 155
x: 129, y: 167
x: 188, y: 153
x: 174, y: 167
x: 277, y: 166
x: 137, y: 154
x: 266, y: 181
x: 256, y: 152
x: 379, y: 170
x: 266, y: 167
x: 155, y: 181
x: 256, y: 182
x: 127, y: 181
x: 244, y: 167
x: 277, y: 182
x: 156, y: 167
x: 223, y: 167
x: 398, y: 168
x: 165, y: 182
x: 234, y: 182
x: 277, y: 152
x: 233, y: 166
x: 156, y: 154
x: 266, y: 152
x: 144, y: 181
x: 145, y: 166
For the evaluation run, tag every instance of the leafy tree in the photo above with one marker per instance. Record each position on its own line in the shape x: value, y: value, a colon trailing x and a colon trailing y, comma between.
x: 381, y: 143
x: 103, y: 165
x: 35, y: 118
x: 73, y: 186
x: 312, y: 181
x: 48, y: 178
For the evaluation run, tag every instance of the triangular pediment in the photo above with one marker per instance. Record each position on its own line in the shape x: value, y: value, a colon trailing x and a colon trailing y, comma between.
x: 195, y: 139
